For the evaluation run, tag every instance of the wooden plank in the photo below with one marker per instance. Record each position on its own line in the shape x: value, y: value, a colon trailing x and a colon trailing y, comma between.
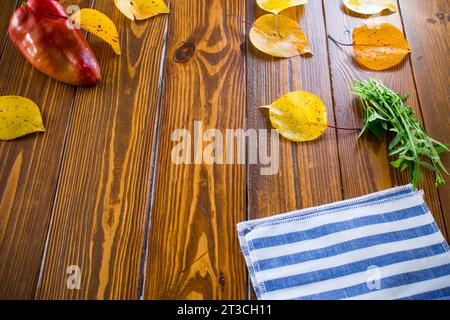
x: 426, y: 24
x: 100, y: 212
x: 309, y: 172
x: 365, y: 167
x: 193, y: 247
x: 29, y: 172
x: 7, y: 8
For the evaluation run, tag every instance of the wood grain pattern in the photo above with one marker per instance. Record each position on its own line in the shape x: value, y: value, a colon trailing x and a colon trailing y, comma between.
x: 364, y: 166
x: 99, y: 189
x: 101, y: 206
x: 426, y: 28
x: 6, y: 8
x: 29, y: 172
x: 193, y: 246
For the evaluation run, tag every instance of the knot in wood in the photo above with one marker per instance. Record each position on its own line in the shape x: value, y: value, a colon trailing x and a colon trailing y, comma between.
x: 222, y: 280
x: 185, y: 52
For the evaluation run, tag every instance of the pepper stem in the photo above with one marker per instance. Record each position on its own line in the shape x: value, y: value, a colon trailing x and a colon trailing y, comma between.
x: 23, y: 3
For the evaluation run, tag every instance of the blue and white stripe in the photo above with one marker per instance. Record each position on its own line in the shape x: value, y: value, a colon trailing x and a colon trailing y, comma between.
x: 330, y: 252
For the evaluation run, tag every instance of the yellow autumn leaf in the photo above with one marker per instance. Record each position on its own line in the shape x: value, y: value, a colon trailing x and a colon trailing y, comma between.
x: 370, y: 6
x: 141, y: 9
x: 379, y: 46
x: 299, y: 116
x: 276, y: 6
x: 98, y: 24
x: 19, y: 116
x: 279, y: 36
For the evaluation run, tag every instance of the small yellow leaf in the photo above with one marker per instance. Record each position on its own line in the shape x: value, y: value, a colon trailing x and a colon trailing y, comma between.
x: 379, y: 46
x: 279, y: 36
x: 299, y: 116
x: 276, y: 6
x: 370, y: 6
x: 18, y: 117
x: 141, y: 9
x: 98, y: 24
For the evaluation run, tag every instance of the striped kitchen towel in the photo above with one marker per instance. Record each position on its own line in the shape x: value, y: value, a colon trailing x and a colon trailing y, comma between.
x: 382, y: 246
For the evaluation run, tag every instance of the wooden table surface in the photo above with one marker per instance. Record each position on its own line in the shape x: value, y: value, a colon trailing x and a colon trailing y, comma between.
x: 98, y: 190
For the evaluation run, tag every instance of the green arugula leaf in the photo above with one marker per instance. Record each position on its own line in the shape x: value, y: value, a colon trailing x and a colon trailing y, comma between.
x: 384, y: 110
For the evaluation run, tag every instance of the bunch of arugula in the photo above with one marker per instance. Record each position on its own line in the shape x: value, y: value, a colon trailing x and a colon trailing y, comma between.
x: 385, y: 111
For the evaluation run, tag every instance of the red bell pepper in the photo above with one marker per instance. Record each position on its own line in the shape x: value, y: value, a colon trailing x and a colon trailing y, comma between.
x: 43, y: 32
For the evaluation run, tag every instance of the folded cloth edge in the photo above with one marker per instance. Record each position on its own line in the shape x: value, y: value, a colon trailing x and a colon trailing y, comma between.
x: 403, y: 191
x: 243, y: 228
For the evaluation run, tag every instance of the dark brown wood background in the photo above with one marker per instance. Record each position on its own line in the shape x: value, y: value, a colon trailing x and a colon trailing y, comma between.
x: 99, y: 189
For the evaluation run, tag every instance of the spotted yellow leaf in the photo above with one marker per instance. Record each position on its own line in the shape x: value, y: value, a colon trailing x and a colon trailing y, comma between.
x: 19, y: 116
x: 299, y: 116
x: 370, y: 6
x: 98, y: 24
x: 279, y: 36
x: 379, y: 45
x: 276, y: 6
x: 141, y: 9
